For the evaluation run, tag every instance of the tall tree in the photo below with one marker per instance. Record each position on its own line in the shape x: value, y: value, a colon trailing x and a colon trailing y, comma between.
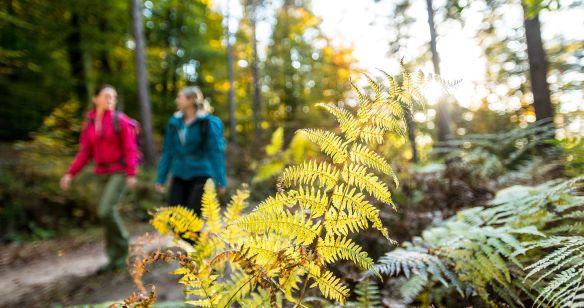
x: 303, y: 67
x: 142, y: 80
x: 442, y: 115
x: 538, y: 65
x: 232, y: 115
x: 256, y: 71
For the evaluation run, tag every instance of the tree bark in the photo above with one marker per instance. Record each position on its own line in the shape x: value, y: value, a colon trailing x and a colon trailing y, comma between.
x: 255, y: 72
x: 230, y: 74
x: 538, y: 69
x: 442, y: 114
x: 142, y: 80
x: 75, y: 54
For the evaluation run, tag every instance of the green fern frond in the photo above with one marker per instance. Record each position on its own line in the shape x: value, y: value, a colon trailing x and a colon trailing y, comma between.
x: 368, y: 295
x: 183, y: 222
x: 331, y: 144
x: 210, y: 208
x: 361, y: 154
x: 412, y: 288
x: 332, y: 249
x: 308, y: 172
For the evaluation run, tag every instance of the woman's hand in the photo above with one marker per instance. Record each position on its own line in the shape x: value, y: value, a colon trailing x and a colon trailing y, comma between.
x: 221, y: 190
x: 65, y: 182
x: 160, y: 188
x: 131, y: 182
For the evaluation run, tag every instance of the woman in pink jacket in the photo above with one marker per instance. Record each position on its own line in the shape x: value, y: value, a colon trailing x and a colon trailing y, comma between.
x: 108, y: 138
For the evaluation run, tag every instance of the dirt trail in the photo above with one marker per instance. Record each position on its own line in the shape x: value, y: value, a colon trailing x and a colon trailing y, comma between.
x: 68, y: 277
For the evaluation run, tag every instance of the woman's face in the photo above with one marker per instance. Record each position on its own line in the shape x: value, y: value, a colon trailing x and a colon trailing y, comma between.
x: 182, y: 102
x: 106, y: 99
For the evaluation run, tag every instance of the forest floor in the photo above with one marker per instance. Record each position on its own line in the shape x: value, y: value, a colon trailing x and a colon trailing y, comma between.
x: 63, y: 272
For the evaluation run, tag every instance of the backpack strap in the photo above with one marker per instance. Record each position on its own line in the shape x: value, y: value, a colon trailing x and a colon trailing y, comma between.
x: 118, y: 130
x: 116, y: 122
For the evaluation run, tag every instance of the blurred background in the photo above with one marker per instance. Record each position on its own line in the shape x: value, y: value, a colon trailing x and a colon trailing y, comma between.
x: 513, y: 111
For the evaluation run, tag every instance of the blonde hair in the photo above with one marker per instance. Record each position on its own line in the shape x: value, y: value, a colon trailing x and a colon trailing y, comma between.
x: 195, y: 95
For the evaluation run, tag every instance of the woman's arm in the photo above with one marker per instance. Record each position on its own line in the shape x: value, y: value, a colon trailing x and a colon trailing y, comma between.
x: 130, y: 146
x: 166, y: 158
x: 216, y: 151
x: 84, y: 154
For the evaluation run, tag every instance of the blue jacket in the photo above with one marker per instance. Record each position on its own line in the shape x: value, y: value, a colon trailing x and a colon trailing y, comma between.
x: 185, y: 156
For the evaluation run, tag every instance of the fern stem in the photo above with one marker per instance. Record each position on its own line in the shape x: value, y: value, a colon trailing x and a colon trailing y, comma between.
x: 236, y: 292
x: 299, y: 303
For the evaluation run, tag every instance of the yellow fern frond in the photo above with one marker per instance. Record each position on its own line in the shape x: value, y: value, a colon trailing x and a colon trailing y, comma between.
x: 356, y: 175
x: 332, y: 249
x: 331, y: 144
x: 354, y: 202
x: 407, y: 82
x: 341, y: 222
x: 347, y: 122
x: 259, y: 299
x: 388, y: 117
x: 290, y: 282
x: 329, y: 285
x: 308, y: 172
x: 207, y: 246
x: 420, y: 78
x: 292, y: 225
x: 361, y: 154
x: 275, y: 204
x: 210, y: 208
x: 372, y: 135
x: 183, y: 222
x: 311, y: 198
x: 364, y: 101
x: 265, y: 248
x: 237, y: 204
x: 203, y: 287
x: 376, y: 87
x: 239, y: 286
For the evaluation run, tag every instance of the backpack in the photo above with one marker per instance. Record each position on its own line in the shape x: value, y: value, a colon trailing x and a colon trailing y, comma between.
x: 136, y: 129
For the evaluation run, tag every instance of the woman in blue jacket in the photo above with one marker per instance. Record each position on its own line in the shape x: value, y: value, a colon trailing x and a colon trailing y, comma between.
x: 193, y: 151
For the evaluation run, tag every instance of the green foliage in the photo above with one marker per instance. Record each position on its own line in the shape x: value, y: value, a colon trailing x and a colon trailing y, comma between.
x: 492, y: 155
x: 482, y: 250
x: 286, y: 244
x: 277, y: 158
x: 572, y: 152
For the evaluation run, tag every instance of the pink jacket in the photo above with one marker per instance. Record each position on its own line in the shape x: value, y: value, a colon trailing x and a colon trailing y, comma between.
x: 111, y: 151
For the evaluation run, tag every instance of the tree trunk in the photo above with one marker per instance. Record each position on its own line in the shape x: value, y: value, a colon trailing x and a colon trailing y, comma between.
x: 75, y: 54
x: 442, y: 115
x: 411, y: 126
x: 537, y: 69
x: 142, y: 79
x: 255, y: 72
x: 232, y: 119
